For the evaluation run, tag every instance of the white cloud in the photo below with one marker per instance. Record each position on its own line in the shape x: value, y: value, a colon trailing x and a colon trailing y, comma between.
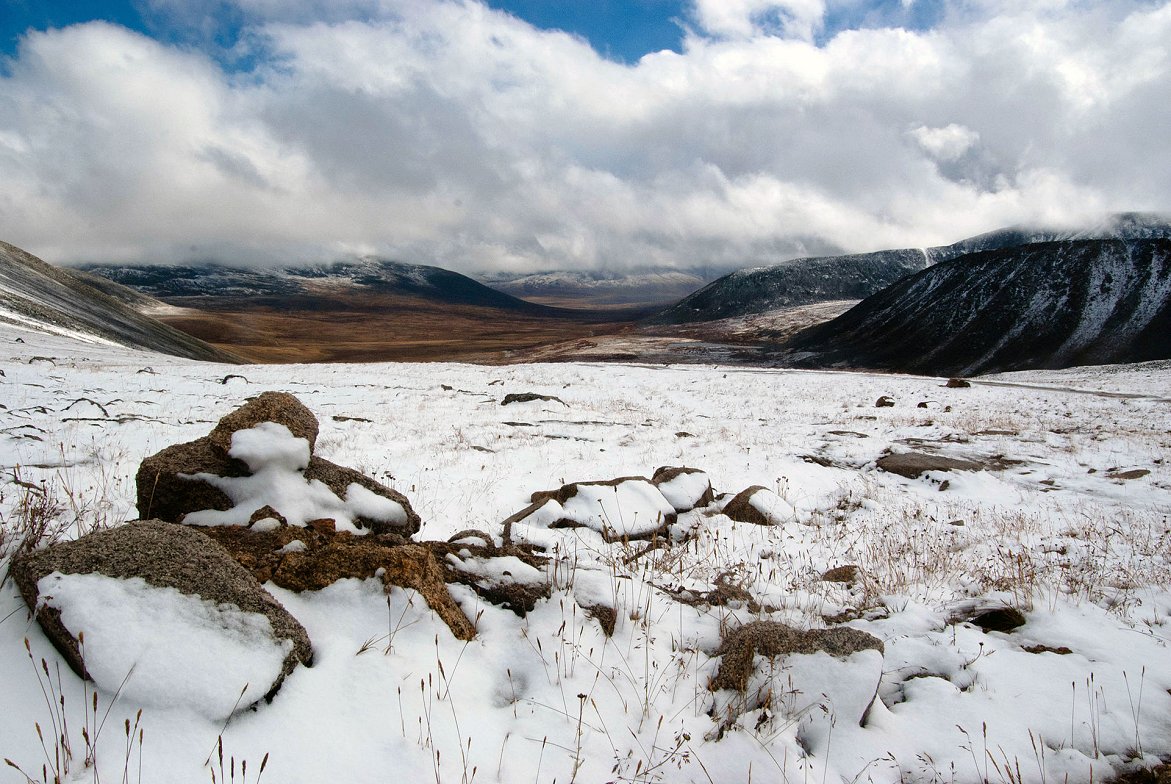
x: 746, y: 18
x: 948, y: 143
x: 444, y: 132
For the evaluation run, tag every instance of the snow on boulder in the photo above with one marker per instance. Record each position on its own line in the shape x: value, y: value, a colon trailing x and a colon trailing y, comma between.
x: 626, y: 508
x: 760, y: 506
x: 820, y: 677
x: 279, y: 407
x: 684, y: 488
x: 246, y: 465
x: 166, y: 610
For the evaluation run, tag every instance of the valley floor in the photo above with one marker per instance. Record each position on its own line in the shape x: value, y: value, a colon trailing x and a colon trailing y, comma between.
x: 1070, y: 522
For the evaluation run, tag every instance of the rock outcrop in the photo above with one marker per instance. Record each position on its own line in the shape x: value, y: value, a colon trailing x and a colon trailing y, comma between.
x: 269, y: 438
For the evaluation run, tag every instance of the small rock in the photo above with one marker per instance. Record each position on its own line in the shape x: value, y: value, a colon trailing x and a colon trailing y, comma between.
x: 629, y: 507
x: 914, y: 464
x: 684, y: 488
x: 838, y: 669
x: 529, y: 397
x: 1136, y: 473
x: 957, y: 383
x: 760, y: 506
x: 886, y: 401
x: 841, y: 574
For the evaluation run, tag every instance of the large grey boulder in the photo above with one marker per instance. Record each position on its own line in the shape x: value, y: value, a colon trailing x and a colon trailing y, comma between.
x: 161, y: 614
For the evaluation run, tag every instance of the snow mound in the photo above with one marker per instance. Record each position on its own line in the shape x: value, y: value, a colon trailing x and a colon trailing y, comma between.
x: 630, y: 507
x: 163, y: 648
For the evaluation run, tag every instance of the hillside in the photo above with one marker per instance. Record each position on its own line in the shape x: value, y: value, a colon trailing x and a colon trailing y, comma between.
x: 366, y: 276
x: 1045, y: 305
x: 597, y: 288
x: 792, y: 284
x: 368, y: 310
x: 32, y: 291
x: 822, y: 279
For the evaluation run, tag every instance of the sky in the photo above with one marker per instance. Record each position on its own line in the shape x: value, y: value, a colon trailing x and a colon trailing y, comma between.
x: 521, y: 135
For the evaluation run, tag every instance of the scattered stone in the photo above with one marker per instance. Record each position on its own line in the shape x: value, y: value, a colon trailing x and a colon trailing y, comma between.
x: 1159, y: 774
x: 267, y: 513
x: 684, y: 488
x: 1060, y: 650
x: 1136, y: 473
x: 514, y: 579
x: 886, y: 401
x: 684, y: 434
x: 760, y: 506
x: 989, y: 616
x: 957, y: 383
x: 529, y: 397
x: 169, y: 558
x: 913, y: 464
x: 343, y: 418
x: 163, y: 493
x: 729, y: 590
x: 607, y: 617
x: 837, y: 668
x: 841, y: 574
x: 230, y: 376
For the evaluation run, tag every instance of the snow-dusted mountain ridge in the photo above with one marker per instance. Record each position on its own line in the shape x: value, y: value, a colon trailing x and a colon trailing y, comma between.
x: 367, y: 274
x: 1041, y: 305
x: 67, y: 302
x: 857, y: 276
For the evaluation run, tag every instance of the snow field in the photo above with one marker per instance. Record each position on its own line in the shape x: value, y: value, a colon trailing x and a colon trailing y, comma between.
x: 392, y: 696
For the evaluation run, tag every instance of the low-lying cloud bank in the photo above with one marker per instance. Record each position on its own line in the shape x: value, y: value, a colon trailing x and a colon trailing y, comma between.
x: 446, y: 132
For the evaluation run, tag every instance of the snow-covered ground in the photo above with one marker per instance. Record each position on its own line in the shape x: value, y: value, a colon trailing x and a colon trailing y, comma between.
x: 1054, y: 527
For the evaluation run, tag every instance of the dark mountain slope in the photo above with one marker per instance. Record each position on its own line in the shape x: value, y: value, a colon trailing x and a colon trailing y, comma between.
x: 798, y: 282
x: 368, y: 276
x: 806, y: 281
x: 34, y: 290
x: 1046, y: 305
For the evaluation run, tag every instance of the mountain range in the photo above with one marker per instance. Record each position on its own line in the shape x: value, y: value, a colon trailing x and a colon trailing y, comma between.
x: 1039, y: 305
x: 1010, y: 299
x: 367, y: 275
x: 857, y: 276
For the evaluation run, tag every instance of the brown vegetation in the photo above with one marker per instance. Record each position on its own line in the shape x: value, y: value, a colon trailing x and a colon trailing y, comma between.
x: 378, y: 327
